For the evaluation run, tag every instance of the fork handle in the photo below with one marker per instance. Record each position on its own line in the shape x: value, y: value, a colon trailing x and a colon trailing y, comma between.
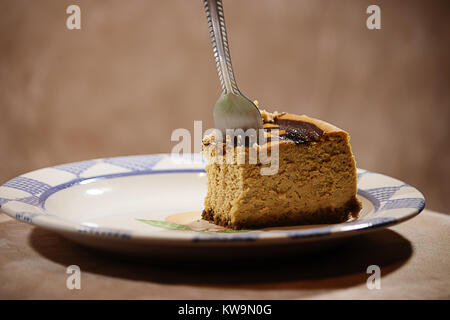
x: 218, y: 34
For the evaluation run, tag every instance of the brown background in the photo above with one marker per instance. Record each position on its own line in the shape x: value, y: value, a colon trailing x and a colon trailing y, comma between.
x: 139, y: 69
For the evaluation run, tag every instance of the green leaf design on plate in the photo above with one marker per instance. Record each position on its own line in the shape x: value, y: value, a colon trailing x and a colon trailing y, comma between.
x: 231, y: 231
x: 176, y: 226
x: 165, y: 225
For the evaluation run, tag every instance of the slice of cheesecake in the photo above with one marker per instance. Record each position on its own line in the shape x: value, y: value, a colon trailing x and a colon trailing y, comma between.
x: 315, y: 180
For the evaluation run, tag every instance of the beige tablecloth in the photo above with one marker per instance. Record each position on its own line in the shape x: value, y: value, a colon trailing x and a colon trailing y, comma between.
x: 413, y: 258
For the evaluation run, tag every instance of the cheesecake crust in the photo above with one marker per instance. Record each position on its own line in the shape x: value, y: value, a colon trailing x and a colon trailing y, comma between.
x: 322, y: 216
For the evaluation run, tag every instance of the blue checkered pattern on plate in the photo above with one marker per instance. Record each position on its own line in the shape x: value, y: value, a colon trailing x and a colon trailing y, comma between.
x: 404, y: 203
x: 135, y: 163
x: 76, y: 168
x: 383, y: 193
x: 31, y: 186
x: 33, y: 200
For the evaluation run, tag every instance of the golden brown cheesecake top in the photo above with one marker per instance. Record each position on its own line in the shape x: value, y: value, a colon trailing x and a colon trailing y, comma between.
x: 292, y: 128
x: 296, y: 128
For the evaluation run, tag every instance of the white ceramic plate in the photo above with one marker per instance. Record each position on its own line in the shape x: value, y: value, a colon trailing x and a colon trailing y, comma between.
x: 151, y: 204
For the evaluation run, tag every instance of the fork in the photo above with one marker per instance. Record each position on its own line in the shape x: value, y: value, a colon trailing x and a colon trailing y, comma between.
x: 232, y: 110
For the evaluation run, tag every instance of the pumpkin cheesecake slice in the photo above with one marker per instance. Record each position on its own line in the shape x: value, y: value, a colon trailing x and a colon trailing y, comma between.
x: 314, y: 181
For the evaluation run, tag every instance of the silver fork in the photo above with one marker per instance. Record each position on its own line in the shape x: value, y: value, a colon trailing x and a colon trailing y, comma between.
x: 232, y: 110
